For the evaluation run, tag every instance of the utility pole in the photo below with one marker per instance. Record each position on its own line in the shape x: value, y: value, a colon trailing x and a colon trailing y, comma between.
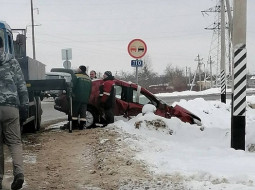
x: 230, y: 19
x: 230, y: 30
x: 210, y: 62
x: 33, y: 29
x: 193, y: 81
x: 223, y: 54
x: 199, y: 69
x: 189, y: 75
x: 186, y: 77
x: 216, y: 53
x: 239, y: 70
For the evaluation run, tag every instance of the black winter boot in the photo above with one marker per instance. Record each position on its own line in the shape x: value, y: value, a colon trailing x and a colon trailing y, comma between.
x: 65, y: 126
x: 17, y: 182
x: 82, y: 125
x: 75, y: 124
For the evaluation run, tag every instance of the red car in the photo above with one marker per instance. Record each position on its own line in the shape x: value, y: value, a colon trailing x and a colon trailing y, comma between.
x: 130, y: 99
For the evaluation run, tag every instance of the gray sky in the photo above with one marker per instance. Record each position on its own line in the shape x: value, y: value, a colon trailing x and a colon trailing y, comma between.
x: 98, y: 31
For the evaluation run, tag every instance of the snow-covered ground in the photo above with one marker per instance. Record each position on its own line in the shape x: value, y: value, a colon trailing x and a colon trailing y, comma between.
x: 201, y: 155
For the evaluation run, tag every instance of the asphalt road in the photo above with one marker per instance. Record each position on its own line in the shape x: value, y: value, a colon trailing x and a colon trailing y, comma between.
x: 171, y: 100
x: 49, y: 113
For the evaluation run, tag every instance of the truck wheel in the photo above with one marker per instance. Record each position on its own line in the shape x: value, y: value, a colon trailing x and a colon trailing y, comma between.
x: 91, y: 117
x: 21, y: 129
x: 39, y: 112
x: 41, y: 97
x: 31, y: 127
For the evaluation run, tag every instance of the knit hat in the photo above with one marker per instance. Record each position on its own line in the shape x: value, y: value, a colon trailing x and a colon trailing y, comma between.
x: 83, y: 68
x: 108, y: 73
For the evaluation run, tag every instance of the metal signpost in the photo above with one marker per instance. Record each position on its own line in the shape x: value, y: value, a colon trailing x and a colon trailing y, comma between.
x: 67, y: 55
x: 137, y: 49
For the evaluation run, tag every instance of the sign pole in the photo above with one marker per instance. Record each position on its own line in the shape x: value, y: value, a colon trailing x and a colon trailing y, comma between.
x: 136, y: 73
x: 239, y: 75
x: 137, y: 49
x: 66, y: 55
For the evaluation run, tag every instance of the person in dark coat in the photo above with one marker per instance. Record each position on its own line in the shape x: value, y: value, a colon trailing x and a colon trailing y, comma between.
x: 107, y: 97
x: 81, y: 91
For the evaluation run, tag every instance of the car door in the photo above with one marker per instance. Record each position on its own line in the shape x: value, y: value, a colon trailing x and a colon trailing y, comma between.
x: 121, y: 98
x: 139, y: 98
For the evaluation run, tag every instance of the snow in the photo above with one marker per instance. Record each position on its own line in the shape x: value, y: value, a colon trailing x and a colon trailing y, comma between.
x: 148, y: 108
x: 202, y: 155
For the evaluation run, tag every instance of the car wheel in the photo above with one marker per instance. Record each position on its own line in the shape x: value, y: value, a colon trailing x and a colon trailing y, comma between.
x: 91, y: 117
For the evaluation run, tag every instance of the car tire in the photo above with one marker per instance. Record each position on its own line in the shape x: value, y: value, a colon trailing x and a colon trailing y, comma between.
x: 91, y: 117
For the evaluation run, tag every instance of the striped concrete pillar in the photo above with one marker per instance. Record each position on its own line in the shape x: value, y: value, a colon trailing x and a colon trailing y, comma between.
x: 238, y: 74
x: 223, y: 53
x: 223, y: 86
x: 239, y: 98
x: 239, y: 93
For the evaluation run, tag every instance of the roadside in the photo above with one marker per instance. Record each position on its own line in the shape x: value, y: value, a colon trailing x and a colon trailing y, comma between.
x: 91, y: 159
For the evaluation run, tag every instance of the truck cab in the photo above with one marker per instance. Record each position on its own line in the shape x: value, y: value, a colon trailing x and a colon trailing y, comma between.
x: 7, y: 52
x: 6, y: 42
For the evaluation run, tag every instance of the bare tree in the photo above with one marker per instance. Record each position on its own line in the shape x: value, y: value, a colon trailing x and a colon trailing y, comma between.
x: 127, y: 76
x: 146, y: 75
x: 176, y: 78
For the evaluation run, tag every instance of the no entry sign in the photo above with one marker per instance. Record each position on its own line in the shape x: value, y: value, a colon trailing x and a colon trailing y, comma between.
x: 137, y: 48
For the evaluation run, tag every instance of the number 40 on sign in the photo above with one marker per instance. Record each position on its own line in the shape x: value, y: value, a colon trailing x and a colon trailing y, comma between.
x: 136, y: 63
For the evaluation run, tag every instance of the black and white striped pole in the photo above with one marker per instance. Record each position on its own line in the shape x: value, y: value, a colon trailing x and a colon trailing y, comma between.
x: 238, y: 120
x: 223, y: 54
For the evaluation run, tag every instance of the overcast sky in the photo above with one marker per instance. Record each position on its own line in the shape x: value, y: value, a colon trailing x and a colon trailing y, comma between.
x: 99, y: 31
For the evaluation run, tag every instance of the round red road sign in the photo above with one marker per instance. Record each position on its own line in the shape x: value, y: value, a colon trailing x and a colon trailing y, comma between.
x: 137, y: 48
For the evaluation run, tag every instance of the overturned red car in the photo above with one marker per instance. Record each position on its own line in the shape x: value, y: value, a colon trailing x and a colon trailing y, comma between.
x: 130, y: 99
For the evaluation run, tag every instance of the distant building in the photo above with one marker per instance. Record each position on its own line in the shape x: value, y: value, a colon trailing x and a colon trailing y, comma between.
x: 160, y: 88
x: 251, y: 81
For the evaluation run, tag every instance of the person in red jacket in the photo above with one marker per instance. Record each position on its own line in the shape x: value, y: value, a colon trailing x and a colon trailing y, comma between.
x: 107, y: 97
